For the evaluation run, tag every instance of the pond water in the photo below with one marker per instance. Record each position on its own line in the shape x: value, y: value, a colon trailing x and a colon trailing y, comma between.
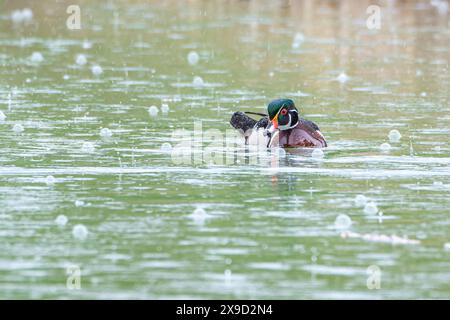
x: 155, y: 227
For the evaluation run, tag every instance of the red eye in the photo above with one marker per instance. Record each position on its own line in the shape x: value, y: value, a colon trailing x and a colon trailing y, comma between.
x: 284, y: 112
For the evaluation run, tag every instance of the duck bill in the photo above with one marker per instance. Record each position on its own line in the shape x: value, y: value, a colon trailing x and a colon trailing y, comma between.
x: 275, y: 122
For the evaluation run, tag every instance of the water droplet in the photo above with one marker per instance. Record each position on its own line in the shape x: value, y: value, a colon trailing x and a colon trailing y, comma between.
x: 88, y: 147
x: 153, y: 111
x: 105, y: 133
x: 18, y: 128
x: 80, y: 232
x: 81, y: 60
x: 61, y: 220
x: 37, y: 57
x: 360, y: 200
x: 342, y: 221
x: 385, y: 147
x: 96, y: 70
x: 370, y: 208
x: 193, y: 58
x: 2, y: 116
x: 317, y: 154
x: 198, y: 82
x: 394, y: 136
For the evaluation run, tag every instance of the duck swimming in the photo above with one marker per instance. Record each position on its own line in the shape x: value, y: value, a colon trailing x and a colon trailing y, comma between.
x: 282, y: 127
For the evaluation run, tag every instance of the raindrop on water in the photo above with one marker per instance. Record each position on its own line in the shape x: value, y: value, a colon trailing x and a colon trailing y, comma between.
x: 199, y: 215
x: 80, y: 232
x: 96, y: 70
x: 81, y: 60
x: 153, y: 111
x: 342, y: 77
x: 166, y: 147
x: 37, y: 57
x: 79, y: 203
x: 50, y: 180
x: 370, y: 208
x: 106, y: 133
x: 88, y: 147
x: 198, y: 82
x: 165, y: 108
x: 360, y: 200
x: 61, y: 220
x: 193, y: 58
x: 342, y: 221
x: 385, y: 147
x: 394, y: 136
x: 18, y: 128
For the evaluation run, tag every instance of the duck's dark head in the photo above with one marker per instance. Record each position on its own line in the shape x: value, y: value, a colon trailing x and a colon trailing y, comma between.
x: 283, y: 114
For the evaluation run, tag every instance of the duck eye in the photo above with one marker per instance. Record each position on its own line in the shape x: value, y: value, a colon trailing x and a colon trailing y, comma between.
x: 284, y: 112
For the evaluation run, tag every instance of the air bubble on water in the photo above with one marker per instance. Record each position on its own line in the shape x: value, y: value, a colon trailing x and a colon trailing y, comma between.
x: 79, y: 203
x: 165, y: 108
x: 342, y: 77
x: 360, y: 200
x: 37, y: 57
x: 394, y: 136
x: 385, y: 147
x: 61, y: 220
x: 166, y: 147
x: 2, y: 116
x: 198, y: 82
x: 370, y: 208
x: 88, y: 147
x: 106, y: 133
x: 199, y: 216
x: 18, y: 128
x: 66, y: 77
x: 50, y: 180
x: 80, y: 232
x: 317, y: 154
x: 193, y: 58
x: 81, y: 60
x: 96, y: 70
x: 153, y: 111
x: 342, y: 222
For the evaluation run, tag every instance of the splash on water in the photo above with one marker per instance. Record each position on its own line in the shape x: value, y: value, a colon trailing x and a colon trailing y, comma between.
x: 342, y: 77
x: 165, y: 108
x: 385, y: 147
x: 360, y: 200
x: 198, y: 82
x: 81, y: 59
x: 18, y: 128
x: 36, y: 57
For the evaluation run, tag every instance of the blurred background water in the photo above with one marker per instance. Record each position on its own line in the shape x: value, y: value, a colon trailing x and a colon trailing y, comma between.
x: 153, y: 228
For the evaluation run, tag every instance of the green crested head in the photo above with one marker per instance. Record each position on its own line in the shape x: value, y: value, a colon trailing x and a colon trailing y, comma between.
x: 277, y: 104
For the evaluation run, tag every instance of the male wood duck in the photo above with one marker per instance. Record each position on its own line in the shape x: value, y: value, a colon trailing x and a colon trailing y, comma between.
x: 281, y: 127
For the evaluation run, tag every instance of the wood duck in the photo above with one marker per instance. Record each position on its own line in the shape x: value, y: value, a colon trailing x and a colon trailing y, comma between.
x: 282, y: 127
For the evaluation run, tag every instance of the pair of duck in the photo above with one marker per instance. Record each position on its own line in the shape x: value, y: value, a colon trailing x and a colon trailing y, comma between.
x: 281, y: 127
